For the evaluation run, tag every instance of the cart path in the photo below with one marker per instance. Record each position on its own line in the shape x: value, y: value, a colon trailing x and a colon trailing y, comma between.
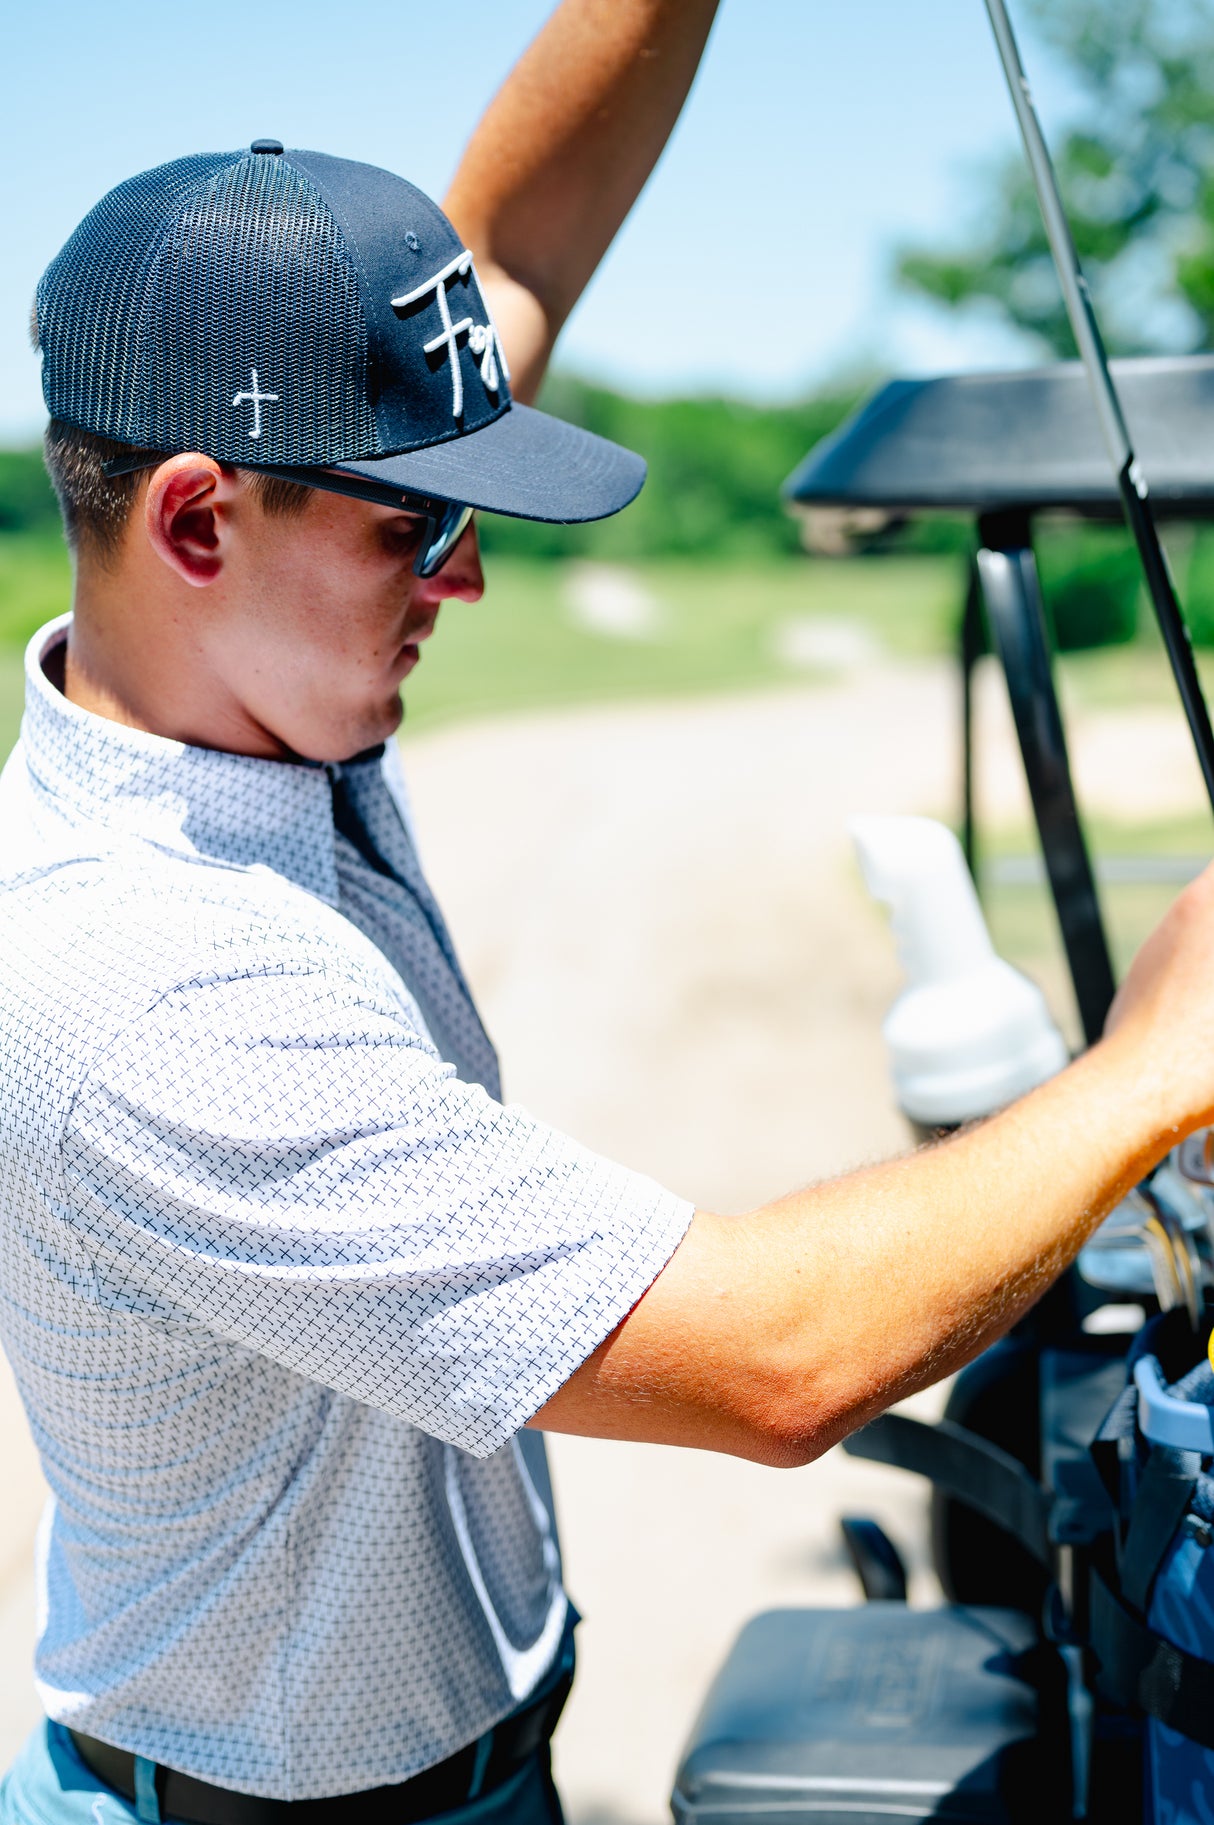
x: 658, y: 912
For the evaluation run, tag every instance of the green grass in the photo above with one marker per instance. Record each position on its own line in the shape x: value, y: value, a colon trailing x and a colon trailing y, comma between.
x: 1113, y: 676
x: 12, y: 690
x: 35, y: 584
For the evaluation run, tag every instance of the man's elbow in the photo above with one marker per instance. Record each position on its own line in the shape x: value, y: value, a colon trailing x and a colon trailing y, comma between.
x: 781, y: 1427
x: 792, y: 1425
x: 782, y: 1448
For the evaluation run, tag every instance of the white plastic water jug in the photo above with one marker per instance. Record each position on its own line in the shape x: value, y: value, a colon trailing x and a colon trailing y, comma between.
x: 969, y: 1033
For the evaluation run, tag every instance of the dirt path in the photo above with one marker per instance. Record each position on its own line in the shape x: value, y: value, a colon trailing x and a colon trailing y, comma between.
x: 657, y: 909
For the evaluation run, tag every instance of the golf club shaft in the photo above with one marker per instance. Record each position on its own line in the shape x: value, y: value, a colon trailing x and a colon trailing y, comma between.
x: 1130, y: 482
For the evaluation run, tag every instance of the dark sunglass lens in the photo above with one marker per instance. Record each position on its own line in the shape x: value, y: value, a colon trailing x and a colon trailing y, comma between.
x: 449, y: 529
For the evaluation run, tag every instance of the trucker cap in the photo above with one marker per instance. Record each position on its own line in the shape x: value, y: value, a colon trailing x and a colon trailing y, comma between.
x: 289, y: 310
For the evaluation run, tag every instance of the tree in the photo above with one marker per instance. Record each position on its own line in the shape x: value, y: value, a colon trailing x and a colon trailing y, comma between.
x: 1137, y: 175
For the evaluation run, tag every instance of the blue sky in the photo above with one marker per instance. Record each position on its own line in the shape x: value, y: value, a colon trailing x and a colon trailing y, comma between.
x: 817, y: 138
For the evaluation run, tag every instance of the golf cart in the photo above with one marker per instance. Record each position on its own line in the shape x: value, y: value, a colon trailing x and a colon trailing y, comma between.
x: 1049, y: 1686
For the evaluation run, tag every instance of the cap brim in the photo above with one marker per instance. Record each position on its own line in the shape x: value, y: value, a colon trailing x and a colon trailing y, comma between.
x: 524, y: 463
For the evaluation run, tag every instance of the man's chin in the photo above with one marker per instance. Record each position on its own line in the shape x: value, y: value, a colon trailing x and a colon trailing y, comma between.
x: 357, y: 736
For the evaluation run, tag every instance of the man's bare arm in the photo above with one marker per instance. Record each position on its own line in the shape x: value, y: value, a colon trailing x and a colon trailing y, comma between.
x: 773, y: 1335
x: 561, y: 155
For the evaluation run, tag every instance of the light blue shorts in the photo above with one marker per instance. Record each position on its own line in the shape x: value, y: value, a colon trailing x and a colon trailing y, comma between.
x: 48, y: 1784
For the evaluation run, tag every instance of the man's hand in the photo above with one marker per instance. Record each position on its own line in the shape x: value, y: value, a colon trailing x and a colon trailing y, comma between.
x: 1162, y: 1013
x: 561, y: 155
x: 774, y: 1335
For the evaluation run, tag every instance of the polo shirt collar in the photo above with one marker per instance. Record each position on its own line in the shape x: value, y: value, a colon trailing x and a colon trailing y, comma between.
x: 194, y: 801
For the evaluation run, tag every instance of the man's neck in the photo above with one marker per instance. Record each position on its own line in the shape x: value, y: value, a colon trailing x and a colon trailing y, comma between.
x: 125, y: 660
x: 81, y: 686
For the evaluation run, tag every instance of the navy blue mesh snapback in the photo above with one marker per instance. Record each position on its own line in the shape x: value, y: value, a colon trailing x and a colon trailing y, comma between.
x: 292, y: 311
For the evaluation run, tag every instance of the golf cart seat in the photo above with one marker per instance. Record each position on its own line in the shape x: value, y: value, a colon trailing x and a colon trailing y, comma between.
x: 986, y: 443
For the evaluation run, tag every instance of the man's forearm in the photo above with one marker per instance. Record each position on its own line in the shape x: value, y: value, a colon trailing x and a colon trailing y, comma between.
x: 773, y: 1335
x: 561, y: 154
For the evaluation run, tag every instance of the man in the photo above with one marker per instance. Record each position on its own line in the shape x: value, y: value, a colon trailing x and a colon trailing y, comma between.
x: 286, y: 1289
x: 292, y: 1586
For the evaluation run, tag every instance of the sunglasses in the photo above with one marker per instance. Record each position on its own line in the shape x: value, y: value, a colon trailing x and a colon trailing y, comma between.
x: 445, y: 522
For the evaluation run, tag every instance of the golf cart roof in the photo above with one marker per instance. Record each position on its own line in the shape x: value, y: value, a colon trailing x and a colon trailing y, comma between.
x: 1026, y: 440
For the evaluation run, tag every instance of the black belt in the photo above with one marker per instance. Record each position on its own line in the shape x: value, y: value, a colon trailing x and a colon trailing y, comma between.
x: 477, y: 1769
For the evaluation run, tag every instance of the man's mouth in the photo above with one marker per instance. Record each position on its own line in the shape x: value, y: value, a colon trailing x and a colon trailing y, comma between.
x: 410, y: 651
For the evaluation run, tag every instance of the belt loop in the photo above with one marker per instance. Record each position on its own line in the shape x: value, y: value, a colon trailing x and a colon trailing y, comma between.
x: 480, y: 1764
x: 147, y: 1801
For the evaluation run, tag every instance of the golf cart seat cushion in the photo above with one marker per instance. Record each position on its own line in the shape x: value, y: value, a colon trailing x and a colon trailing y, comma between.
x: 991, y: 442
x: 843, y: 1717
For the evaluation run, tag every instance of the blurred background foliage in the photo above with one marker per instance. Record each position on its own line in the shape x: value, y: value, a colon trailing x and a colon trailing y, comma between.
x: 1137, y: 174
x: 709, y: 539
x: 715, y: 470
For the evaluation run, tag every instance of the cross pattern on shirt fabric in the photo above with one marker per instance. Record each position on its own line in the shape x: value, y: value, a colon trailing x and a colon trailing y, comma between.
x: 280, y: 1276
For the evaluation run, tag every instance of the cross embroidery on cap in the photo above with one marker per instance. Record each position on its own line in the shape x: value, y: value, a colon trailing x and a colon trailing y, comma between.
x: 258, y: 398
x: 483, y: 338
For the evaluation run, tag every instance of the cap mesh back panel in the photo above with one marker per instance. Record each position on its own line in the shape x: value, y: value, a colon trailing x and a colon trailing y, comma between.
x: 248, y: 272
x: 255, y: 277
x: 91, y: 296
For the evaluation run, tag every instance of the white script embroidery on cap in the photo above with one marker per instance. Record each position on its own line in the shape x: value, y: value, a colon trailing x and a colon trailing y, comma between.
x: 483, y: 338
x: 257, y: 397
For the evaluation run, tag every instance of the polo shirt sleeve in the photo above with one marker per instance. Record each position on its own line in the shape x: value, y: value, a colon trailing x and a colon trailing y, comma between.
x: 279, y: 1157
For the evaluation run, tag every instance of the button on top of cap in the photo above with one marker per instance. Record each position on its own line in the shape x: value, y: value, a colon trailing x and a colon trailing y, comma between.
x: 266, y: 145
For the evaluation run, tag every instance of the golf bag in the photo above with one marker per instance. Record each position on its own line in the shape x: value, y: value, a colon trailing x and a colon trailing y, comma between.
x: 1152, y: 1619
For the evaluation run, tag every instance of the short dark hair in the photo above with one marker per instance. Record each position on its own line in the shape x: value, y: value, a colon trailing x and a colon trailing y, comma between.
x: 96, y: 506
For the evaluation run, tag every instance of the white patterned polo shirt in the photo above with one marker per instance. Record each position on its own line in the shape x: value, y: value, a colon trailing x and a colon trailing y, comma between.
x: 280, y: 1277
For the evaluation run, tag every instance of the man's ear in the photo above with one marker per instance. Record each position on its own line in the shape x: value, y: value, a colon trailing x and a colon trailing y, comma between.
x: 184, y: 514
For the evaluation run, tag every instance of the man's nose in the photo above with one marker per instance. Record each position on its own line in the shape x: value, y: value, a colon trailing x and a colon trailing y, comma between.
x: 461, y: 577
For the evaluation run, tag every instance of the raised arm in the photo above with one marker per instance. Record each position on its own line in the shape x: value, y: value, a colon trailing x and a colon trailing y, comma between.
x: 561, y: 154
